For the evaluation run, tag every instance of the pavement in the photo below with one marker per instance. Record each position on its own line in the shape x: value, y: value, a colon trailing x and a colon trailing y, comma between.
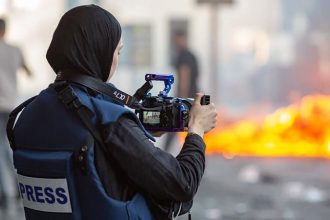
x: 263, y: 189
x: 245, y: 188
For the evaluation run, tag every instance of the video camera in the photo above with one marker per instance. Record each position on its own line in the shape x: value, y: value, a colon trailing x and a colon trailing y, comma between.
x: 156, y: 113
x: 161, y: 112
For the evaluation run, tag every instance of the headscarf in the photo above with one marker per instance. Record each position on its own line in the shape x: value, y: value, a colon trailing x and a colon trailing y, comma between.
x: 84, y: 42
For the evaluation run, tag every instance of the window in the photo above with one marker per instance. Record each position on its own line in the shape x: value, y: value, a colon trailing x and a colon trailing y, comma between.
x: 137, y: 46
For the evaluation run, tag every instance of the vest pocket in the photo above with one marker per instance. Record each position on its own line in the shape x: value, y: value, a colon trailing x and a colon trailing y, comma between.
x: 45, y: 180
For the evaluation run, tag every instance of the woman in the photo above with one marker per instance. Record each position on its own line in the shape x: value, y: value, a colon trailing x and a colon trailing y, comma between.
x: 129, y: 178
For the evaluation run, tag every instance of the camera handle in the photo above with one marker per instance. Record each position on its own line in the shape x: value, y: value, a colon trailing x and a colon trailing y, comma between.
x: 205, y: 100
x: 167, y: 79
x: 142, y: 92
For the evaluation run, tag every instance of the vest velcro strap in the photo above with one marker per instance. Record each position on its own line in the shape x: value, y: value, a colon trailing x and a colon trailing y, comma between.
x: 67, y: 95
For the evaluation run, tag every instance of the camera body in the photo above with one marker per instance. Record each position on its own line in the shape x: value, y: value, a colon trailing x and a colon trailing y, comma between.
x: 161, y: 112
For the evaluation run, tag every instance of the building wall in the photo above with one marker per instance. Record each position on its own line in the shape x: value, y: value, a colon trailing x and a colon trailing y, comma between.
x: 158, y: 15
x: 254, y: 42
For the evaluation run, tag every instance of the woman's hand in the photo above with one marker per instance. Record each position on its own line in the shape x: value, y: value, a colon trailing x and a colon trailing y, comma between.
x: 202, y: 118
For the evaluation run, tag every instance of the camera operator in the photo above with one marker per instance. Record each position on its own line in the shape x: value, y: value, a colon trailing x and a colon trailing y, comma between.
x: 87, y: 41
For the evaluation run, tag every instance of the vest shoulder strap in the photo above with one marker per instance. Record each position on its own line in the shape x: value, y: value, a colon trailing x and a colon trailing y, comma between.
x: 68, y: 97
x: 12, y: 119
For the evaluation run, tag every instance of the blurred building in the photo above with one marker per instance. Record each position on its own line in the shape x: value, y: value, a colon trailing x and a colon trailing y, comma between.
x: 280, y: 52
x: 269, y: 51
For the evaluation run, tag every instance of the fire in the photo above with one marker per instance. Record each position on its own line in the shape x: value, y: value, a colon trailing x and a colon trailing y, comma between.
x: 299, y: 130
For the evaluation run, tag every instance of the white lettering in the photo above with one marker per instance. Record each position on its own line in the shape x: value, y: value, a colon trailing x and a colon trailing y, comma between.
x: 119, y: 95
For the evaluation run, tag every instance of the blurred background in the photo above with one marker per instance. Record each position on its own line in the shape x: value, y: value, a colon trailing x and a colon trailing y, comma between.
x: 266, y: 65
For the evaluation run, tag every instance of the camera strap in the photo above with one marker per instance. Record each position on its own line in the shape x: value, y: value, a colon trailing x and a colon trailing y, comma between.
x: 101, y: 87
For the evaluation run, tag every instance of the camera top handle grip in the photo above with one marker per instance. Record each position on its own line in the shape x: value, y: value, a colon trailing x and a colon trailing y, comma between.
x: 167, y: 79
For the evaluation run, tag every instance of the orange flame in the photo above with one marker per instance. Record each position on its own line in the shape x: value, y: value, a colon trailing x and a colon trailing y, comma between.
x: 300, y: 130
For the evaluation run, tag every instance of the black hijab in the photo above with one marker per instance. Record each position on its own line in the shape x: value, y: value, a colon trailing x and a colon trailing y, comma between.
x: 84, y: 42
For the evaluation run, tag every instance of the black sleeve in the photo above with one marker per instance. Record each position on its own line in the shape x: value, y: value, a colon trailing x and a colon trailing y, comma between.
x: 164, y: 180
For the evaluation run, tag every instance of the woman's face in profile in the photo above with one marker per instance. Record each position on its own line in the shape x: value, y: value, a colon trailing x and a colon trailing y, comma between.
x: 115, y: 59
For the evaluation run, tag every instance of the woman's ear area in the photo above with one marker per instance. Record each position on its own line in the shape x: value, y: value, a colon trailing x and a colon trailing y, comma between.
x: 115, y: 59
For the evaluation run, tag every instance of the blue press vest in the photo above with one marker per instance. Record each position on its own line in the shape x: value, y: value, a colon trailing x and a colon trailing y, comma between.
x: 49, y: 139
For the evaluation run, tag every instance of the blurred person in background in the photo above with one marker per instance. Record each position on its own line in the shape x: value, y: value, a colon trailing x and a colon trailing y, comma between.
x: 118, y: 174
x: 11, y: 59
x: 186, y: 66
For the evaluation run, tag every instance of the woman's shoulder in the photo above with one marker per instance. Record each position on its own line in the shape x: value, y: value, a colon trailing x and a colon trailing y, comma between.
x: 108, y: 110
